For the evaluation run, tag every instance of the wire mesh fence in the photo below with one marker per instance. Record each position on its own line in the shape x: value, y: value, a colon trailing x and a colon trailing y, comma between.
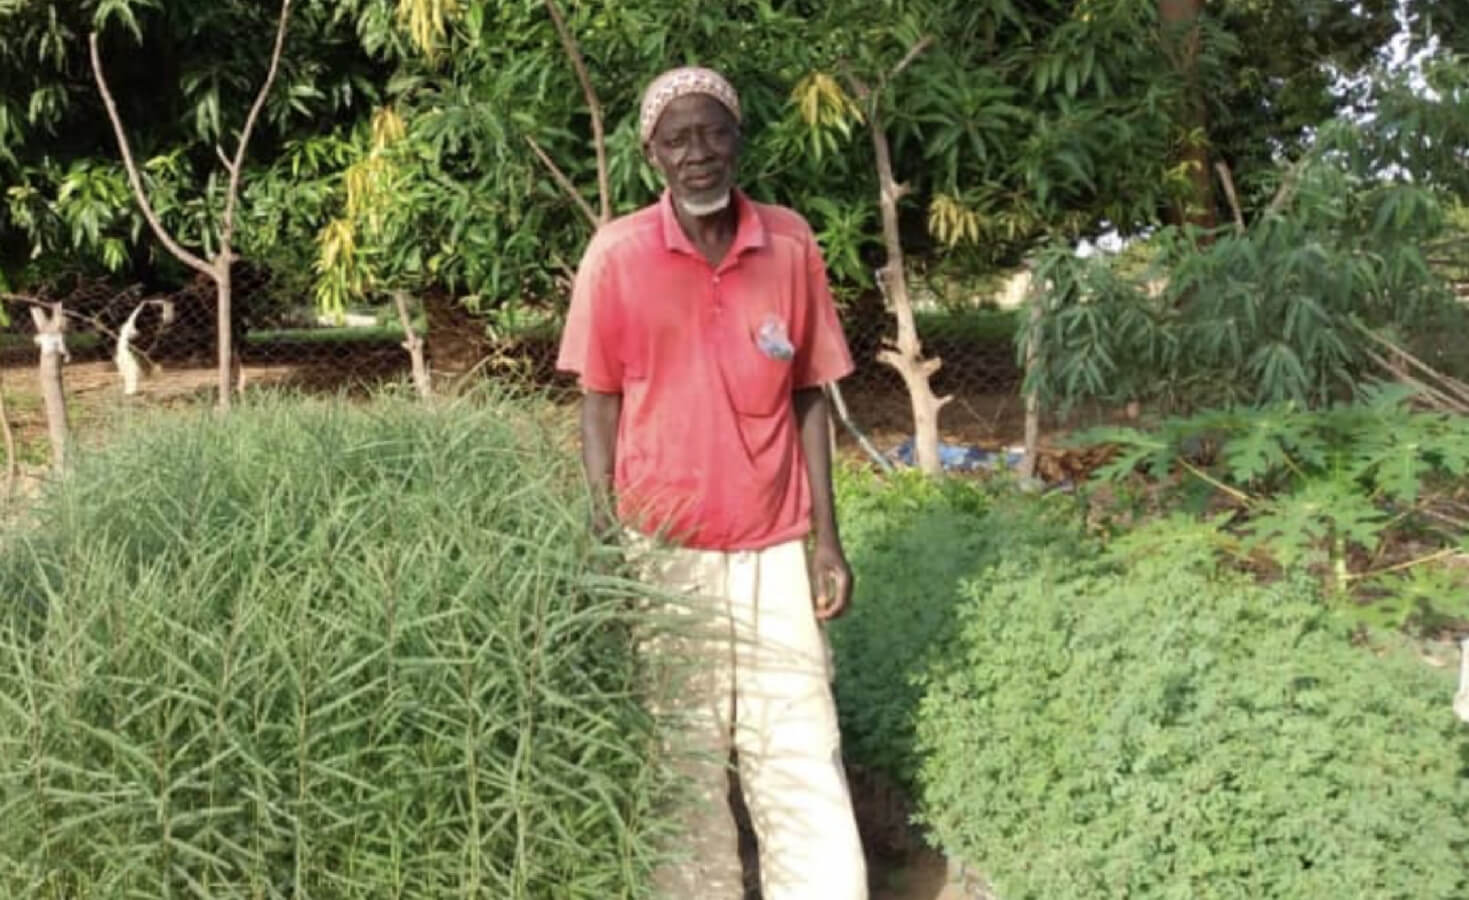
x: 170, y: 339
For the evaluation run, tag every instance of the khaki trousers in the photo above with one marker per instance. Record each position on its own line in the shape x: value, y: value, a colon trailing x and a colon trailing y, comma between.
x: 751, y: 668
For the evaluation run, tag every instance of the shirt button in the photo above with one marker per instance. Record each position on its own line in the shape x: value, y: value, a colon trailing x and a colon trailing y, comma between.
x: 716, y: 279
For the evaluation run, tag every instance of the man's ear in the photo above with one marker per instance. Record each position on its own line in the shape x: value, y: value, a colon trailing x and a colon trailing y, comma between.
x: 652, y: 159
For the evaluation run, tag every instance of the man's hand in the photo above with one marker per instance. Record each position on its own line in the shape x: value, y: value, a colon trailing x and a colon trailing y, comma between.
x: 831, y: 577
x: 599, y: 417
x: 604, y: 526
x: 831, y: 580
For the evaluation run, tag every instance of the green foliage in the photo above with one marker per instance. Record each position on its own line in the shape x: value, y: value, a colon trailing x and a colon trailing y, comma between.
x: 912, y: 540
x: 1023, y: 122
x: 1363, y: 494
x: 1270, y: 312
x: 63, y: 197
x: 319, y: 650
x: 976, y: 326
x: 1162, y: 729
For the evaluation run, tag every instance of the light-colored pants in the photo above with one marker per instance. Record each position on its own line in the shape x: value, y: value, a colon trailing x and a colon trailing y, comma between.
x: 754, y: 668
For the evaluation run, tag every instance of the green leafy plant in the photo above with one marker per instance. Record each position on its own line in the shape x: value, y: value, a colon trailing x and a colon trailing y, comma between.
x: 320, y: 650
x: 912, y: 542
x: 1270, y: 309
x: 1157, y: 727
x: 1368, y: 495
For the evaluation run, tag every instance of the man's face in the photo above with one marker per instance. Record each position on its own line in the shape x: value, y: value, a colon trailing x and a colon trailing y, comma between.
x: 696, y: 146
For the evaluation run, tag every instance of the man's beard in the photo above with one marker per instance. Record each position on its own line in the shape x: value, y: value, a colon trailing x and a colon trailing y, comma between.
x: 701, y: 207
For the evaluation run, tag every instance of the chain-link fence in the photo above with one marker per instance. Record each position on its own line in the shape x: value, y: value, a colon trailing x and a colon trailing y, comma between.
x: 170, y: 338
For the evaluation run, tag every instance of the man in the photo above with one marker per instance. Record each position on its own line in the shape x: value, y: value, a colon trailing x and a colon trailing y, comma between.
x: 702, y: 329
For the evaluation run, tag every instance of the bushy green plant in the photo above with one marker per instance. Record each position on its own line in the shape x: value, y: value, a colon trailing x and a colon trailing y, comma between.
x: 318, y: 650
x: 1269, y: 310
x: 912, y: 541
x: 1363, y: 493
x: 1170, y: 730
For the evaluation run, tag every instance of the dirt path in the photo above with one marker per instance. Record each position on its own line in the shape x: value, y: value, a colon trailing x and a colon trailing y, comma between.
x: 924, y: 877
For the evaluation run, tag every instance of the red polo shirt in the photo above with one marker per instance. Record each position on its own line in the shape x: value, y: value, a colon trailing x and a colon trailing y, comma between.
x: 708, y: 450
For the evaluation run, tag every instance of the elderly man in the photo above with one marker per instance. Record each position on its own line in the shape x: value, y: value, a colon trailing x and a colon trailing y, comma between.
x: 702, y: 329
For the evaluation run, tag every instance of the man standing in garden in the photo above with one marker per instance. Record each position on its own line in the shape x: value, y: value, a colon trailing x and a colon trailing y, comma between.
x: 702, y: 328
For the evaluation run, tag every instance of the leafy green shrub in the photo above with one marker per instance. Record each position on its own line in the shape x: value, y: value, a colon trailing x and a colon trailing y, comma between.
x: 316, y: 650
x: 1174, y: 731
x: 1363, y: 493
x: 1269, y: 313
x: 912, y: 541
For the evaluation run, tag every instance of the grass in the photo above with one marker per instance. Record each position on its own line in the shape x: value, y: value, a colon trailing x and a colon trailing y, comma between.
x: 74, y: 342
x: 980, y: 326
x: 374, y: 334
x: 320, y: 650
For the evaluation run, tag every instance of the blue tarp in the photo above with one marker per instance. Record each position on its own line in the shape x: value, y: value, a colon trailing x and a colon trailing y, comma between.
x: 959, y: 458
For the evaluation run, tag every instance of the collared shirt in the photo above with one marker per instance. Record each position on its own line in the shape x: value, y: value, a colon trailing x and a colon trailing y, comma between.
x: 706, y: 359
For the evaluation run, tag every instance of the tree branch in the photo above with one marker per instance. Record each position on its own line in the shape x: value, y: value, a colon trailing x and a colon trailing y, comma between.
x: 1287, y: 186
x: 135, y: 179
x: 564, y: 182
x: 839, y: 406
x: 1433, y: 395
x: 1408, y: 564
x: 232, y: 195
x: 913, y: 53
x: 599, y: 137
x: 1228, y: 180
x: 1447, y: 382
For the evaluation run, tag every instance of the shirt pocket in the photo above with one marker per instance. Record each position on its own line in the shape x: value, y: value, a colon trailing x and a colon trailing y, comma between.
x: 757, y: 382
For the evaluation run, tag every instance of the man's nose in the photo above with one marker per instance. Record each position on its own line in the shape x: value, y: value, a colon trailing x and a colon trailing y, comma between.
x: 700, y: 147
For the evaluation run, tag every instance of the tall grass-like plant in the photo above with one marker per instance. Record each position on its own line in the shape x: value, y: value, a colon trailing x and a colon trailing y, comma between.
x: 320, y: 651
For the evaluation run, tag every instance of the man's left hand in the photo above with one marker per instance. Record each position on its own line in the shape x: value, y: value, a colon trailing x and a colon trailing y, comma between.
x: 831, y: 580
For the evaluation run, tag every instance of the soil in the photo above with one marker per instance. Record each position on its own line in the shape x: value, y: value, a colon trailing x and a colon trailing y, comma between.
x: 899, y: 865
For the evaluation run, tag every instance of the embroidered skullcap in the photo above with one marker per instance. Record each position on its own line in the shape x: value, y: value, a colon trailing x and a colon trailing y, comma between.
x: 681, y: 82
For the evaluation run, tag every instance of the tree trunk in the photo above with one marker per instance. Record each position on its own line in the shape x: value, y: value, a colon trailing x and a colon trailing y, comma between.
x: 50, y: 337
x: 414, y: 345
x: 224, y: 339
x: 1183, y: 39
x: 12, y: 467
x: 906, y: 355
x: 1032, y: 397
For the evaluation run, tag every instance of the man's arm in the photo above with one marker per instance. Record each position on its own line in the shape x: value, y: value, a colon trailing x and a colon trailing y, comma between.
x: 831, y: 576
x: 600, y: 413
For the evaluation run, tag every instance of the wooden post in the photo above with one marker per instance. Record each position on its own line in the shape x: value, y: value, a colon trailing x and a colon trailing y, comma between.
x: 414, y: 345
x: 51, y: 338
x: 1032, y: 397
x: 12, y: 466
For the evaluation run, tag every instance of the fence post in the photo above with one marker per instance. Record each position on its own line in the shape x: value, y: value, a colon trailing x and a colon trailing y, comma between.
x: 1032, y: 397
x: 12, y: 463
x: 51, y: 338
x: 422, y: 380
